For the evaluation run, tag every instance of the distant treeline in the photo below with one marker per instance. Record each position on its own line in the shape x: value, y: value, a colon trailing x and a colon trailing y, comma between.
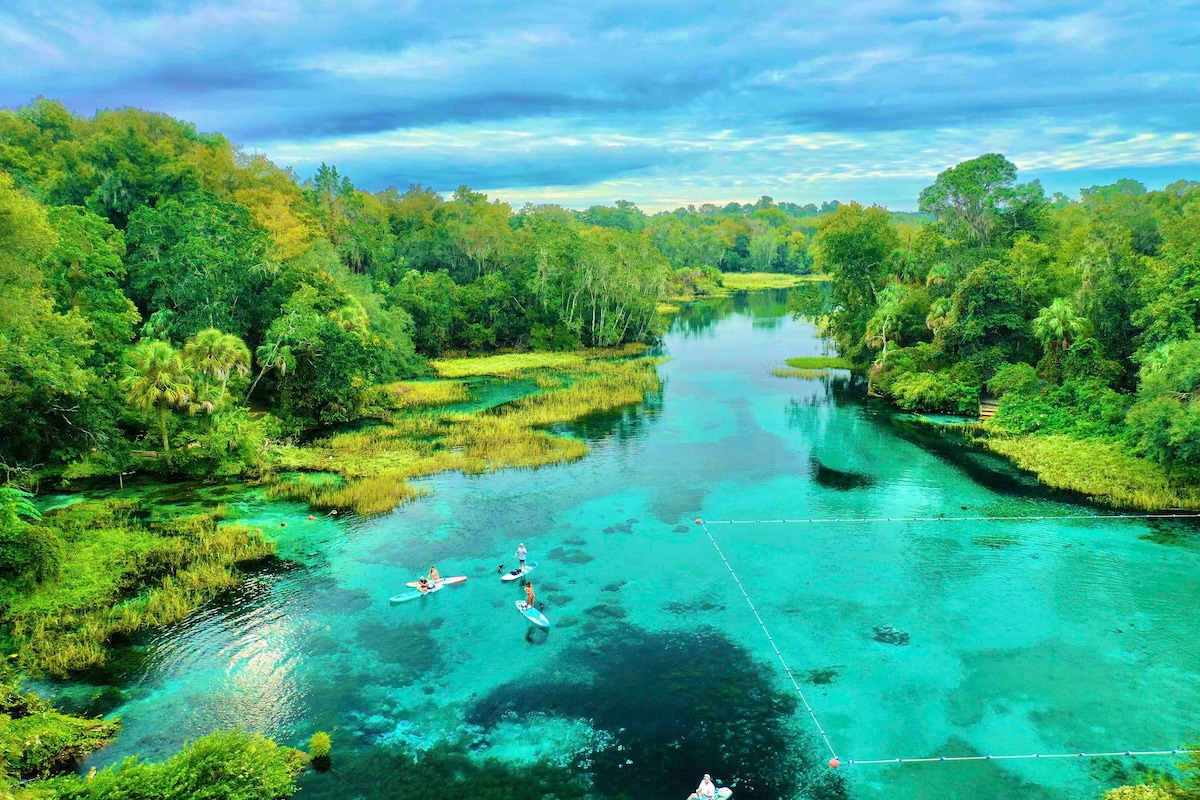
x: 160, y: 282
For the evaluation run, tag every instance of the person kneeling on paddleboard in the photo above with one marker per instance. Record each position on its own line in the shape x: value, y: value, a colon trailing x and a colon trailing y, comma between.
x: 530, y: 600
x: 706, y: 790
x: 434, y: 577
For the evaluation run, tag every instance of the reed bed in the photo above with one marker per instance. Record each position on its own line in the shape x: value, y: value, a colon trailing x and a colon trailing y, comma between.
x: 375, y: 465
x: 793, y: 372
x: 121, y: 578
x: 1101, y: 470
x: 753, y: 281
x: 404, y: 395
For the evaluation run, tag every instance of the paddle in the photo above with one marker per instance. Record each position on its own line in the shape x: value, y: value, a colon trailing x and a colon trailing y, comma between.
x: 501, y: 567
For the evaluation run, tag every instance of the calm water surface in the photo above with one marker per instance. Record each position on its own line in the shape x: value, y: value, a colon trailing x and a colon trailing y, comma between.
x: 913, y: 639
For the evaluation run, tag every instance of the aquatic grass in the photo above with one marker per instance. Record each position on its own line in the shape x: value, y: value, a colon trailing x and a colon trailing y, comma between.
x: 755, y: 281
x: 507, y: 365
x: 404, y: 395
x: 375, y: 465
x: 819, y: 362
x: 793, y: 372
x: 119, y: 576
x: 1103, y: 471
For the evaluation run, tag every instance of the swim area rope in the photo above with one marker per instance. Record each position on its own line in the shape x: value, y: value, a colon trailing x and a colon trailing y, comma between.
x: 835, y: 761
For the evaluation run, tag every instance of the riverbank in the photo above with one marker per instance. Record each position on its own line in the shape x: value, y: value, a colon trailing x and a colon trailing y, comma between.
x: 1103, y: 471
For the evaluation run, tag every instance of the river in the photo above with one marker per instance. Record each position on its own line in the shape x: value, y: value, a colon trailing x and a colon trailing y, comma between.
x: 909, y: 638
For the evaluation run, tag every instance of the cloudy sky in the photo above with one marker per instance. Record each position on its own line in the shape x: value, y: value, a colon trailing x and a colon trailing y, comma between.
x: 662, y: 103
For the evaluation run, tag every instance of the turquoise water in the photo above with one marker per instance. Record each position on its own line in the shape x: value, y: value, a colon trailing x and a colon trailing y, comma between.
x: 1004, y: 637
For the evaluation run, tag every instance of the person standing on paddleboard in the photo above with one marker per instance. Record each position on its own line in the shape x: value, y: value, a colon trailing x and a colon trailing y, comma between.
x: 530, y: 600
x: 434, y: 577
x: 521, y: 553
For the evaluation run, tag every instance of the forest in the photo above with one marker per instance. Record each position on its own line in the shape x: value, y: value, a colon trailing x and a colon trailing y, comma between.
x: 178, y: 306
x: 1079, y: 319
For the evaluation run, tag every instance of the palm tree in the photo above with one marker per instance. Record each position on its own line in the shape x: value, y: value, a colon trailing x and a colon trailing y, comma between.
x: 217, y: 356
x: 1057, y: 325
x: 156, y: 380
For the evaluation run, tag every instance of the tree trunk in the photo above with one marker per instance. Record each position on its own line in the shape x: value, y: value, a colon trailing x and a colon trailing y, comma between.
x: 162, y: 426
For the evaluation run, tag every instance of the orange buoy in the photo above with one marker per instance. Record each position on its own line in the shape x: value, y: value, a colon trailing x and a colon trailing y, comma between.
x: 833, y: 762
x: 311, y: 517
x: 699, y: 521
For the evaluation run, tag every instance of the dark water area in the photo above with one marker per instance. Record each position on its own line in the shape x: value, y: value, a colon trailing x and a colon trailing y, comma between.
x: 909, y: 639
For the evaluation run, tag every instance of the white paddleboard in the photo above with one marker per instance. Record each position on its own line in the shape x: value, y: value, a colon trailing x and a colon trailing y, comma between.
x: 415, y: 593
x: 513, y: 574
x: 443, y: 581
x: 533, y: 615
x: 724, y: 793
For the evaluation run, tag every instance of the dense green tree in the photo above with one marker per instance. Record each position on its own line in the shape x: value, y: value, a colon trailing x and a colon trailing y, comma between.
x: 1165, y: 420
x: 156, y: 382
x: 1057, y: 325
x: 202, y: 259
x: 969, y: 195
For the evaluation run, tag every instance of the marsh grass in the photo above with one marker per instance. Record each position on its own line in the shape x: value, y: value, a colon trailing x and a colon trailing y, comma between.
x: 819, y: 362
x: 375, y: 465
x: 753, y: 281
x: 793, y: 372
x: 120, y: 575
x: 404, y: 395
x: 1101, y: 470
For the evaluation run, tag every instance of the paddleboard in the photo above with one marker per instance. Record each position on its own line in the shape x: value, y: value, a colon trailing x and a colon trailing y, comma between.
x: 533, y: 615
x: 513, y: 574
x: 415, y: 593
x: 724, y: 793
x: 443, y: 581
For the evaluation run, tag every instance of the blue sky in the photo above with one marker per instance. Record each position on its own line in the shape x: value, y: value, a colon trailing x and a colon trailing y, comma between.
x: 662, y: 103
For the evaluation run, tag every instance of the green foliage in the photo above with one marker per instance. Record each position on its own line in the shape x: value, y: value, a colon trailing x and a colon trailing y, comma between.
x: 319, y: 745
x: 108, y: 571
x: 1164, y: 423
x: 954, y: 390
x: 226, y: 765
x: 1142, y: 791
x: 36, y: 741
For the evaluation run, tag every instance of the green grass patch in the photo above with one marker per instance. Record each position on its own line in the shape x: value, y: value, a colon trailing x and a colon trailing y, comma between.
x: 819, y: 362
x: 375, y: 465
x: 116, y: 573
x: 754, y: 281
x: 1103, y: 471
x: 793, y: 372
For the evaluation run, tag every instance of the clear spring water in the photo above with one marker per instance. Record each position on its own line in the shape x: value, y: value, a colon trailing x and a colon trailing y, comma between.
x: 1004, y: 637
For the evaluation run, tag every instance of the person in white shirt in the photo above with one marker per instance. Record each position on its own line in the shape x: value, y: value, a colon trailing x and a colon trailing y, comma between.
x: 706, y: 790
x: 521, y: 553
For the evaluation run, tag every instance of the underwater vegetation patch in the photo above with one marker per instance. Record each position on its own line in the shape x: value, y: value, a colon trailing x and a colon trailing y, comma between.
x: 889, y: 634
x: 672, y: 701
x: 692, y: 606
x: 840, y: 480
x: 572, y: 556
x: 995, y: 541
x: 823, y: 676
x: 411, y: 647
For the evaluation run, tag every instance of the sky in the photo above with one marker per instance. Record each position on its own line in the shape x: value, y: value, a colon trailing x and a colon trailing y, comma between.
x: 661, y: 103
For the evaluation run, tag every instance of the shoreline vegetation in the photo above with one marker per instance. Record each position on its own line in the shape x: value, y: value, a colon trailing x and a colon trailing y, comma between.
x: 373, y: 466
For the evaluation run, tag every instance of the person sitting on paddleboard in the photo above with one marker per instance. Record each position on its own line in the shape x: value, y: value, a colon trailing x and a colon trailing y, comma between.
x: 706, y: 790
x: 530, y: 600
x: 521, y: 552
x: 434, y: 577
x: 422, y: 584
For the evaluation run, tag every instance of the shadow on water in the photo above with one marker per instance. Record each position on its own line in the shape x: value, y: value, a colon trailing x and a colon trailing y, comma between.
x: 840, y: 480
x: 674, y: 704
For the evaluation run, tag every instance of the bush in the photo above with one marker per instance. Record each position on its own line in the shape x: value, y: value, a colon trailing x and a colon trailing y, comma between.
x: 227, y: 765
x: 319, y: 745
x: 1142, y: 791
